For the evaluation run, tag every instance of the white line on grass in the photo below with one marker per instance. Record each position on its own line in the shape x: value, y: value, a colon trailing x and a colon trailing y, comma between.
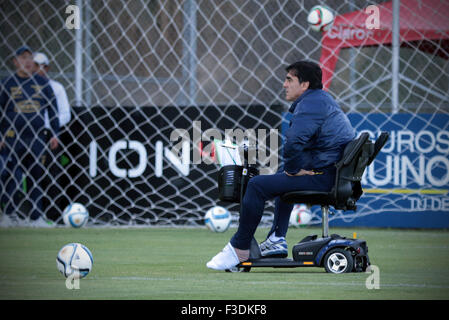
x: 324, y: 284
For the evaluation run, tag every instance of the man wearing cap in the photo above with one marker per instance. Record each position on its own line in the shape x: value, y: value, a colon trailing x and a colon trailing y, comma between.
x: 24, y: 97
x: 54, y: 182
x: 42, y: 65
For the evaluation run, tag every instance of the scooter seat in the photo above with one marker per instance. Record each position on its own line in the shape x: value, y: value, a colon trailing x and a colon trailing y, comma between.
x: 309, y: 197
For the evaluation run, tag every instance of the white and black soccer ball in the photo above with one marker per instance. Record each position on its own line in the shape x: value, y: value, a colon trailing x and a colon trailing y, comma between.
x: 301, y: 215
x: 320, y: 18
x: 75, y: 215
x: 218, y: 219
x: 74, y: 259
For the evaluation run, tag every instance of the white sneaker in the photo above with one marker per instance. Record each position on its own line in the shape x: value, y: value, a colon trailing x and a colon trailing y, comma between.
x: 226, y: 259
x: 41, y: 223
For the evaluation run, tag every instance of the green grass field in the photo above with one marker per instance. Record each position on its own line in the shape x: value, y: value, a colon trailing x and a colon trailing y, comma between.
x: 165, y: 263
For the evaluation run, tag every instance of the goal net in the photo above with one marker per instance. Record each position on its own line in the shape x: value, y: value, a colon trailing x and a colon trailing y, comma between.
x: 152, y: 83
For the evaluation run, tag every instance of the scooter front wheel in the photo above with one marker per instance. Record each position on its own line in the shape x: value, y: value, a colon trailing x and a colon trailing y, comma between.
x: 239, y: 269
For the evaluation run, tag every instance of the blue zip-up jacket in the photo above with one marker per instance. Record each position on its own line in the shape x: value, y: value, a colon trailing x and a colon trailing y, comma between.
x: 22, y: 105
x: 318, y: 132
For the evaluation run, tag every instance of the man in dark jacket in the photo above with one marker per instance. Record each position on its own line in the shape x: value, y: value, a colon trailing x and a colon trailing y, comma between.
x: 315, y: 140
x: 24, y: 98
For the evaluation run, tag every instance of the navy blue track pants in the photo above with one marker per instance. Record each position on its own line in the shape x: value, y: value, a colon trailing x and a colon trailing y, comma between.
x: 22, y: 156
x: 266, y: 187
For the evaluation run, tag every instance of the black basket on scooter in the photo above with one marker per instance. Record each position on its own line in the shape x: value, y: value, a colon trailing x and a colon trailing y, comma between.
x: 230, y: 181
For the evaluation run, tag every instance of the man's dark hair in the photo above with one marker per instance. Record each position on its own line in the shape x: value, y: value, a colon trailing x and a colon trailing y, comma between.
x: 307, y: 71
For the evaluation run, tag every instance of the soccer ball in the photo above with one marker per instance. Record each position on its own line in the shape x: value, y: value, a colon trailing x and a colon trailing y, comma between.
x: 217, y: 219
x: 320, y: 18
x: 76, y: 259
x: 300, y: 215
x: 75, y: 215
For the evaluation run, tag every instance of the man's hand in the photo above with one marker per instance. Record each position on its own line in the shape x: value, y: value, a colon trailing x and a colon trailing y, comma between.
x: 301, y: 172
x: 54, y: 143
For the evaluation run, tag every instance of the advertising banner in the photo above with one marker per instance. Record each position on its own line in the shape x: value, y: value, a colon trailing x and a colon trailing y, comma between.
x: 130, y: 164
x: 155, y: 166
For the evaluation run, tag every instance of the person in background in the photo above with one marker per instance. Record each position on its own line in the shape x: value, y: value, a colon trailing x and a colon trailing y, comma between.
x: 55, y: 182
x: 24, y: 98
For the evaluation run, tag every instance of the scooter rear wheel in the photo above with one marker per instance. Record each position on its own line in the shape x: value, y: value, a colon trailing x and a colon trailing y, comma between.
x: 338, y: 261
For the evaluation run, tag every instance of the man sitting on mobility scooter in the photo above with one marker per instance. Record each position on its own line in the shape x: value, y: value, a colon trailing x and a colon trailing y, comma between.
x: 315, y: 140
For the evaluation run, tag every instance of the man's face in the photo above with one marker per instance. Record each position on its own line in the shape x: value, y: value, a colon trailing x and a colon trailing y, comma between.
x: 294, y: 89
x: 24, y: 64
x: 40, y: 69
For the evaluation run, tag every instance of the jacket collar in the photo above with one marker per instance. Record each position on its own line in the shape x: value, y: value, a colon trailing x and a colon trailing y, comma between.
x: 297, y: 101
